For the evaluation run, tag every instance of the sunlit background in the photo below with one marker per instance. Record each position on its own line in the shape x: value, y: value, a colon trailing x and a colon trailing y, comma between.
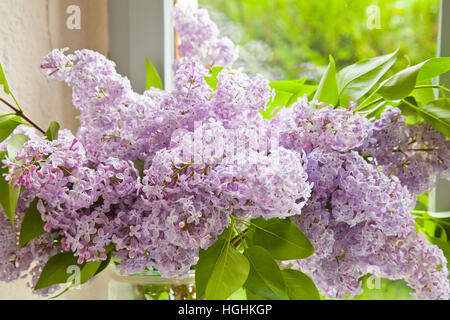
x: 290, y: 38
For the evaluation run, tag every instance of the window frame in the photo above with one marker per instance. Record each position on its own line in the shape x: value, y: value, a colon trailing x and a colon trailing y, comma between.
x: 134, y: 35
x: 439, y: 200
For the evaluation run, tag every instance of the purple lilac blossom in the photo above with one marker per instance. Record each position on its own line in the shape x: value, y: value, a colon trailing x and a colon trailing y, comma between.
x: 417, y: 154
x: 157, y: 175
x: 26, y: 262
x: 358, y: 220
x: 199, y: 37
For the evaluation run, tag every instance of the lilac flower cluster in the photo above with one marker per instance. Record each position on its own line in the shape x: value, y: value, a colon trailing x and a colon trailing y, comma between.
x: 27, y: 262
x: 199, y: 38
x: 157, y: 175
x: 359, y: 222
x: 307, y: 126
x: 417, y: 154
x: 358, y: 217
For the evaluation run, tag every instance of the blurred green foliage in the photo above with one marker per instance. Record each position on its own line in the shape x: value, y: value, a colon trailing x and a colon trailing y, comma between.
x: 384, y: 289
x: 301, y: 32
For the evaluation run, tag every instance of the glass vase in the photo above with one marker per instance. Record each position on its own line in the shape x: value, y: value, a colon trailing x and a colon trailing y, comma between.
x: 149, y: 285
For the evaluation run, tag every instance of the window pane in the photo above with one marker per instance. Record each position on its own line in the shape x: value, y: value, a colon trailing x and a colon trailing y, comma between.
x: 293, y: 38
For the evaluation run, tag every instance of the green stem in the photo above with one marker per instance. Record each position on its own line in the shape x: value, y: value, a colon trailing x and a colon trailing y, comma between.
x: 442, y: 89
x: 252, y: 224
x: 20, y: 113
x: 239, y: 238
x: 433, y: 219
x: 423, y: 149
x: 419, y: 110
x: 432, y: 86
x: 17, y: 103
x: 362, y: 107
x: 7, y: 114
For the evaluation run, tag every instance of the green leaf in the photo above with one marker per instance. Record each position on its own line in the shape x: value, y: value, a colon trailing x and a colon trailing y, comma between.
x: 357, y: 79
x: 151, y: 75
x: 239, y: 294
x: 433, y: 68
x: 354, y: 72
x: 8, y: 195
x: 424, y: 95
x: 105, y: 263
x: 400, y: 84
x: 7, y: 125
x: 56, y: 272
x: 15, y: 143
x: 431, y: 227
x: 52, y: 131
x: 282, y: 238
x: 212, y: 79
x: 88, y: 270
x: 253, y: 296
x: 60, y: 293
x: 327, y: 91
x: 8, y: 199
x: 376, y: 111
x: 411, y: 115
x: 436, y: 113
x: 3, y: 80
x: 220, y: 271
x: 229, y: 273
x: 281, y: 99
x: 206, y: 262
x: 290, y: 86
x: 32, y: 225
x: 205, y: 267
x: 299, y: 286
x: 265, y: 277
x: 304, y: 89
x: 287, y: 93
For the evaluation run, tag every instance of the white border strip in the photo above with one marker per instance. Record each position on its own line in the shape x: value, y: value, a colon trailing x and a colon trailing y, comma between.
x: 169, y: 45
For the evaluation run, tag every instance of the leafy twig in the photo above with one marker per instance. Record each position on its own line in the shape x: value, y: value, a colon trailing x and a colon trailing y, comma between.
x: 20, y: 113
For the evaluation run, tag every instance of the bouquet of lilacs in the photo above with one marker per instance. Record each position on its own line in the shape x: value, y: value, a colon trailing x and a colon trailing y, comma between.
x: 287, y: 189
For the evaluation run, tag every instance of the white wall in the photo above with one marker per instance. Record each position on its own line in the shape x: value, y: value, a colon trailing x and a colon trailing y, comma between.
x: 29, y: 29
